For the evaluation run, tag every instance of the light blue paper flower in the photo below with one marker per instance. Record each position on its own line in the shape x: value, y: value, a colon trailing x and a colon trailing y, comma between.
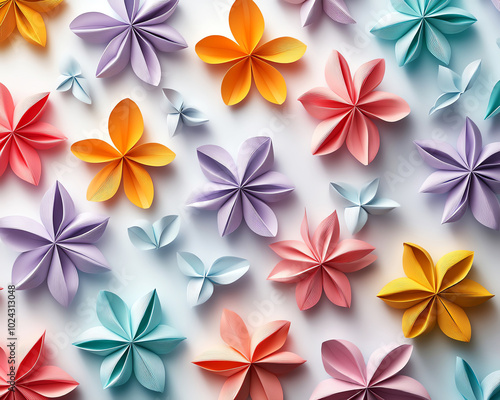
x: 130, y: 340
x: 365, y: 201
x: 422, y: 21
x: 454, y: 85
x: 147, y: 236
x: 494, y: 102
x: 469, y: 387
x: 179, y: 113
x: 223, y: 271
x: 72, y: 78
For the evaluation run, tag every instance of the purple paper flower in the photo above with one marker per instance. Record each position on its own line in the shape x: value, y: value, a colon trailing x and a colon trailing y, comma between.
x: 133, y: 38
x: 55, y: 250
x: 242, y: 189
x: 470, y: 175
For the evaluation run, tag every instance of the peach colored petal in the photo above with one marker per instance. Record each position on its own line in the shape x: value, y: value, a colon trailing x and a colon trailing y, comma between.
x: 368, y: 77
x: 291, y: 271
x: 264, y: 385
x: 308, y: 291
x: 322, y: 103
x: 326, y: 236
x: 268, y: 339
x: 281, y: 362
x: 385, y: 106
x: 363, y: 139
x: 337, y: 287
x: 338, y: 77
x: 330, y: 135
x: 235, y: 333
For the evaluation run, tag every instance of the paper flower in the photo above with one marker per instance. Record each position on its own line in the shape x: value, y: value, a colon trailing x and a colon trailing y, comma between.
x: 241, y: 190
x: 347, y: 108
x: 379, y: 379
x: 496, y: 3
x: 470, y: 175
x: 431, y: 293
x: 32, y: 380
x: 126, y: 127
x: 250, y: 363
x: 365, y: 201
x: 469, y: 387
x: 22, y: 134
x: 56, y: 249
x: 223, y: 271
x: 422, y: 21
x: 494, y: 102
x: 180, y: 114
x: 130, y: 340
x: 311, y: 11
x: 135, y: 37
x: 147, y: 236
x: 73, y: 79
x: 321, y: 263
x: 25, y: 14
x: 248, y: 58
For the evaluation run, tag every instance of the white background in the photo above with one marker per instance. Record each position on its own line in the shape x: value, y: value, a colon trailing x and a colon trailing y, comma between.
x: 26, y: 69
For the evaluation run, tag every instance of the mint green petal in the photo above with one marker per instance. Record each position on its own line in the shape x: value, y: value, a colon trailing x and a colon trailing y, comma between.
x: 116, y: 369
x: 162, y: 340
x: 409, y: 46
x: 394, y: 26
x: 466, y: 381
x: 145, y: 315
x: 100, y: 341
x: 437, y: 44
x: 409, y: 7
x: 149, y: 369
x: 435, y: 5
x: 451, y: 20
x: 494, y: 102
x: 491, y: 386
x: 113, y: 314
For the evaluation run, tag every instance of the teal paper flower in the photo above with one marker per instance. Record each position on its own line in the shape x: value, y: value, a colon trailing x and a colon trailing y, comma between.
x: 422, y: 21
x: 469, y: 386
x: 130, y: 340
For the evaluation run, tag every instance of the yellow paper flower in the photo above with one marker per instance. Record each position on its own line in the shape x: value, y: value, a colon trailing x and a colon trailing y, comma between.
x: 435, y: 293
x: 25, y: 14
x: 125, y: 128
x: 247, y: 26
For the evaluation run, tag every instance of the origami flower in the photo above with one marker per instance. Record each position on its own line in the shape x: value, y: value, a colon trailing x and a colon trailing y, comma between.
x: 496, y: 3
x: 347, y: 108
x: 180, y: 114
x: 130, y: 340
x: 241, y: 190
x: 469, y: 387
x: 33, y: 381
x: 135, y: 37
x: 435, y: 292
x: 494, y: 102
x: 25, y: 14
x: 250, y: 363
x: 311, y: 11
x: 365, y: 201
x: 56, y: 249
x: 320, y: 263
x: 147, y: 236
x: 419, y: 21
x: 379, y: 379
x: 22, y: 134
x: 250, y: 59
x: 470, y: 175
x: 224, y: 271
x: 73, y: 79
x: 126, y: 127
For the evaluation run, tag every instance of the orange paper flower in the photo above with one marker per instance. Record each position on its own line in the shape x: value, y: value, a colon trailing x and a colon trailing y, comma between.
x: 247, y: 26
x: 125, y: 129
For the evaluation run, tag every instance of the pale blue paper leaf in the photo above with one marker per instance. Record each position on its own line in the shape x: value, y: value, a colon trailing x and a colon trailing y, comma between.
x: 101, y: 341
x: 445, y: 100
x: 149, y: 369
x: 142, y: 236
x: 355, y: 219
x: 380, y: 206
x: 369, y: 191
x: 494, y: 102
x: 467, y: 382
x: 193, y: 117
x: 147, y: 236
x: 491, y: 386
x: 81, y: 90
x: 348, y: 192
x: 179, y: 113
x: 174, y: 98
x: 145, y: 315
x: 113, y: 314
x: 71, y: 67
x: 437, y: 43
x: 64, y: 83
x: 161, y: 340
x: 116, y: 369
x: 470, y: 75
x: 72, y: 78
x: 199, y: 290
x: 173, y: 120
x: 448, y: 80
x: 226, y: 270
x: 190, y: 265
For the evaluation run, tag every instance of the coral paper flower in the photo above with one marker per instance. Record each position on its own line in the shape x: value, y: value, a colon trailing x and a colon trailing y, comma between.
x: 126, y: 127
x: 250, y: 58
x: 25, y: 14
x: 22, y: 134
x: 347, y: 108
x: 320, y: 263
x: 250, y: 363
x: 33, y: 381
x: 431, y: 293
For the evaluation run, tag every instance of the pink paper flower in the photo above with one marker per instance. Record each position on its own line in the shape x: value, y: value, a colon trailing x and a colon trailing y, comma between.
x: 320, y: 263
x: 348, y: 107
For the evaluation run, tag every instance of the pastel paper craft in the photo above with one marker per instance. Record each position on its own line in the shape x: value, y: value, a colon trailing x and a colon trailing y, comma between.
x: 147, y: 236
x: 135, y: 37
x: 435, y: 292
x: 364, y: 202
x: 470, y: 174
x: 126, y: 159
x: 72, y: 78
x: 496, y: 3
x: 379, y: 379
x: 347, y: 107
x: 469, y: 387
x: 320, y: 263
x: 33, y: 380
x: 242, y: 189
x: 179, y: 113
x: 131, y: 340
x: 224, y: 271
x: 494, y: 102
x: 22, y: 134
x: 311, y: 11
x: 249, y: 57
x: 419, y: 23
x: 454, y: 85
x: 250, y: 362
x: 59, y: 247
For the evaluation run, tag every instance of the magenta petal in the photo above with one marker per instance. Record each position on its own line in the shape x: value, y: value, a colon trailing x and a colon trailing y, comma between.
x: 30, y: 268
x: 163, y: 37
x: 97, y: 28
x: 144, y: 60
x: 116, y: 56
x: 23, y: 234
x: 230, y: 215
x: 86, y: 257
x: 484, y: 204
x: 62, y: 278
x: 258, y: 216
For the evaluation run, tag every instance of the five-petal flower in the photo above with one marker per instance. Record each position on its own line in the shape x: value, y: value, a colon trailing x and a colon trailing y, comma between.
x: 311, y: 11
x: 72, y: 78
x: 469, y: 387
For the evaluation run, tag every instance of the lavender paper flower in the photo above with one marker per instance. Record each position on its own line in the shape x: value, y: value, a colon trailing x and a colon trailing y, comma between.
x: 241, y: 190
x: 134, y: 37
x: 54, y: 250
x: 470, y: 175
